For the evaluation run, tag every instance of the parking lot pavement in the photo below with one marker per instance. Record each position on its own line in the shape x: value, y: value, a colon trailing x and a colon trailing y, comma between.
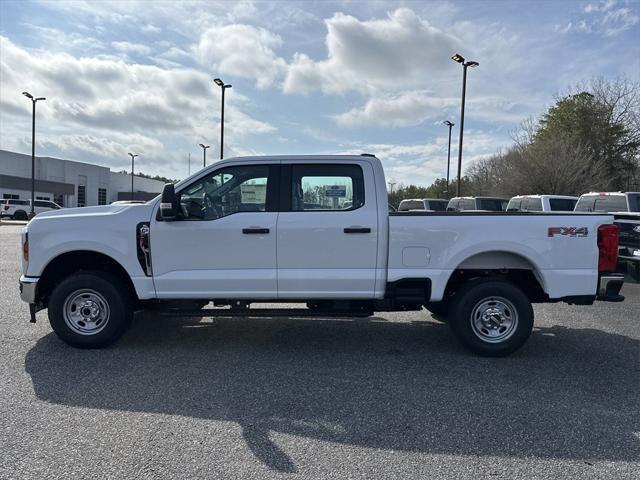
x: 389, y: 397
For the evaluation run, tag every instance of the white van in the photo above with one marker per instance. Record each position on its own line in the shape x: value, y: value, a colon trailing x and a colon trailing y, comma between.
x: 19, y: 209
x: 542, y: 203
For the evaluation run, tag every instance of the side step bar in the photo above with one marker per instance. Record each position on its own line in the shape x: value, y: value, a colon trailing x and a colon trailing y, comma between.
x: 267, y: 313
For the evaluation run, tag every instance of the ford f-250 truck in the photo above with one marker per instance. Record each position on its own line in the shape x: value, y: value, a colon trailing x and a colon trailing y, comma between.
x: 314, y: 230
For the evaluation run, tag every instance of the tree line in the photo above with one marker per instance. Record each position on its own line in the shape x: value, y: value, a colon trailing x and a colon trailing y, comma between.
x: 589, y: 140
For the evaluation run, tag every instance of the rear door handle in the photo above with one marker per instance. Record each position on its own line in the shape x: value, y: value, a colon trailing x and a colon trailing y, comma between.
x: 357, y: 230
x: 255, y: 231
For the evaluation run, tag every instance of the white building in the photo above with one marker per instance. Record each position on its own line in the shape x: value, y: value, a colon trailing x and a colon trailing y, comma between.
x: 69, y: 183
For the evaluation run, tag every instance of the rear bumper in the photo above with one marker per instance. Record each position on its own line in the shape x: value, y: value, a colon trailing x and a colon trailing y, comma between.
x: 609, y: 286
x: 28, y: 287
x: 629, y: 254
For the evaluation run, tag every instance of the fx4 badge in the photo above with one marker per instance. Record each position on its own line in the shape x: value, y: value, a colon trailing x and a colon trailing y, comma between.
x: 568, y: 231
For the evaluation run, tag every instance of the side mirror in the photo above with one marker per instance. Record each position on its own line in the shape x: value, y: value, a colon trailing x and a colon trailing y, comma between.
x: 168, y: 203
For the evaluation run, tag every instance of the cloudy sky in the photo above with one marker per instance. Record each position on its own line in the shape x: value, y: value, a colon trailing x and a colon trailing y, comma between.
x: 308, y: 77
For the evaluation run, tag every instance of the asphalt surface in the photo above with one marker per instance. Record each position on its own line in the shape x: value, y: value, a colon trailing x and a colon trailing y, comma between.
x: 394, y: 396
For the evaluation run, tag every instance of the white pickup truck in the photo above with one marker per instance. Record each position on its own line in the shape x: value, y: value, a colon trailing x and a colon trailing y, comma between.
x: 314, y: 230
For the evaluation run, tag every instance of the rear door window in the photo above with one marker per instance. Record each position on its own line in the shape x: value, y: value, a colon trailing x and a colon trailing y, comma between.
x: 491, y: 204
x: 437, y: 205
x: 467, y: 204
x: 532, y: 205
x: 634, y: 202
x: 326, y: 187
x: 562, y: 204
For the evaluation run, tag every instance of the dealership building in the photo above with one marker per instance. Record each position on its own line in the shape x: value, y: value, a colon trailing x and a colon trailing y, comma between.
x: 70, y: 183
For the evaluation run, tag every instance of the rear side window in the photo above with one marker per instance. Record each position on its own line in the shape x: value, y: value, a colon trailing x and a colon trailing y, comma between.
x: 491, y: 204
x: 18, y: 202
x: 634, y: 202
x: 326, y: 187
x: 562, y: 204
x: 437, y: 205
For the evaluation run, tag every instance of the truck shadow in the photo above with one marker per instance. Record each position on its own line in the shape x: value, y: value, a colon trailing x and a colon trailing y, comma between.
x: 569, y: 393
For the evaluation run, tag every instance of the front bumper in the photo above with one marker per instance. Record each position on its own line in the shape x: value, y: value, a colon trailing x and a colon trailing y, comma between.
x: 28, y: 287
x: 609, y: 286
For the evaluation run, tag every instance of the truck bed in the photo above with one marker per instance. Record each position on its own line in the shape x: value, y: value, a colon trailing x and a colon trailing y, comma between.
x: 435, y: 244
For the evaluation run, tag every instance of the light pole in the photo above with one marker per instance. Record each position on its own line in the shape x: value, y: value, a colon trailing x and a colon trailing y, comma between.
x: 33, y: 148
x: 450, y: 125
x: 391, y: 184
x: 465, y: 64
x: 204, y: 154
x: 132, y: 158
x: 223, y: 86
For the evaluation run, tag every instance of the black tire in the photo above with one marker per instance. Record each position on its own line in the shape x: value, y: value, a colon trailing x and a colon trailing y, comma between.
x: 439, y: 310
x: 503, y: 304
x: 107, y: 290
x: 20, y: 215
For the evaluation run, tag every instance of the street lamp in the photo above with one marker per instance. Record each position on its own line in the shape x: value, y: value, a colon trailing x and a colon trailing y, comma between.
x: 465, y: 64
x: 33, y: 148
x: 223, y: 86
x: 132, y: 157
x: 204, y: 154
x: 450, y: 125
x: 391, y: 184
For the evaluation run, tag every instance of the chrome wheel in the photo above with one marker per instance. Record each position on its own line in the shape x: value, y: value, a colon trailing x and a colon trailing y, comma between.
x: 86, y: 312
x: 494, y: 319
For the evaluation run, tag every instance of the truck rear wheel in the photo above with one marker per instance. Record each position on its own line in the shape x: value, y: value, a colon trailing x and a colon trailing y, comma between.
x: 90, y: 310
x: 492, y: 318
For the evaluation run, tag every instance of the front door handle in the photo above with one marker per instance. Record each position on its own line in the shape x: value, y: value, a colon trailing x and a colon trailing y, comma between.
x: 255, y: 231
x: 357, y: 230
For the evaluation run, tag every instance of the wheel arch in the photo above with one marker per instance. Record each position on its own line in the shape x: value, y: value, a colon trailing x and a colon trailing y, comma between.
x: 68, y: 263
x: 506, y: 265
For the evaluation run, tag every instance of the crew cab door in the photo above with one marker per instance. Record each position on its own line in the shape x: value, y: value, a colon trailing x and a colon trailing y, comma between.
x: 223, y: 244
x: 327, y: 231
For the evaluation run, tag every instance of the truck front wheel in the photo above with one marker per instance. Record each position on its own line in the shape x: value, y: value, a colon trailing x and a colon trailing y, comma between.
x: 492, y: 318
x: 90, y: 310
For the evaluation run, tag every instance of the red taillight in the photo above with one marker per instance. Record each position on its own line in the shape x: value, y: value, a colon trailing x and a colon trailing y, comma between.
x: 608, y: 248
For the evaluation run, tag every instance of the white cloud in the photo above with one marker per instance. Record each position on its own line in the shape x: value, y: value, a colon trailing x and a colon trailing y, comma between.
x: 243, y: 51
x: 604, y: 17
x: 617, y: 21
x: 101, y: 107
x: 402, y: 110
x: 601, y: 6
x: 135, y: 48
x: 401, y: 50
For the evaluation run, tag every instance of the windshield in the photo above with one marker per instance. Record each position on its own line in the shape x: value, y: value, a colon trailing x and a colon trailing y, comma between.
x: 602, y: 203
x: 407, y: 205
